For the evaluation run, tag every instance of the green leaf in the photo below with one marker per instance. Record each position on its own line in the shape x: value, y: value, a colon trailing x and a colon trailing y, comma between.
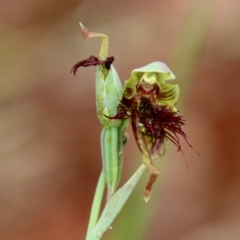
x: 115, y: 205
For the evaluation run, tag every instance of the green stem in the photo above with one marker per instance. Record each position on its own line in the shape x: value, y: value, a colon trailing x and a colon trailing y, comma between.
x: 96, y: 204
x: 110, y: 159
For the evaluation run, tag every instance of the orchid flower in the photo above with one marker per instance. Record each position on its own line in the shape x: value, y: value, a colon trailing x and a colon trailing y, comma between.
x: 148, y: 102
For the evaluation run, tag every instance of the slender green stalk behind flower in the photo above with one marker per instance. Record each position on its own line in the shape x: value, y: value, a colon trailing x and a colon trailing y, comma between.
x: 149, y: 103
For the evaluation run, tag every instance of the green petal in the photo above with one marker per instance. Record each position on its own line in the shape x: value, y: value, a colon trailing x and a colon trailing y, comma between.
x: 156, y: 67
x: 169, y: 94
x: 153, y: 73
x: 130, y: 87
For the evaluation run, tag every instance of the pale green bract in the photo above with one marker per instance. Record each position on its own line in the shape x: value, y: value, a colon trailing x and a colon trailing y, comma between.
x: 108, y: 92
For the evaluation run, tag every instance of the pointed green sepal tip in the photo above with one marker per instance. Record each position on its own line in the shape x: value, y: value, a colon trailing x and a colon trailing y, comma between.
x: 81, y: 25
x: 146, y: 198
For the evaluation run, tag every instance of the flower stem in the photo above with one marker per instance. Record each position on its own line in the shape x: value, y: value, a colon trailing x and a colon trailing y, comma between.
x: 96, y: 204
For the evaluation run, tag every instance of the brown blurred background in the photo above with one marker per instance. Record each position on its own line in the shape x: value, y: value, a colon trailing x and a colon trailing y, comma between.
x: 49, y: 134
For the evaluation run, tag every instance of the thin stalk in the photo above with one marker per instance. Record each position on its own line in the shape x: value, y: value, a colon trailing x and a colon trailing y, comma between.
x: 98, y: 196
x: 109, y: 141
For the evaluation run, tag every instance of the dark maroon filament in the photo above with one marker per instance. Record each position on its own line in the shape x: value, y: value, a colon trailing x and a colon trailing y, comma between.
x: 150, y: 122
x: 92, y: 61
